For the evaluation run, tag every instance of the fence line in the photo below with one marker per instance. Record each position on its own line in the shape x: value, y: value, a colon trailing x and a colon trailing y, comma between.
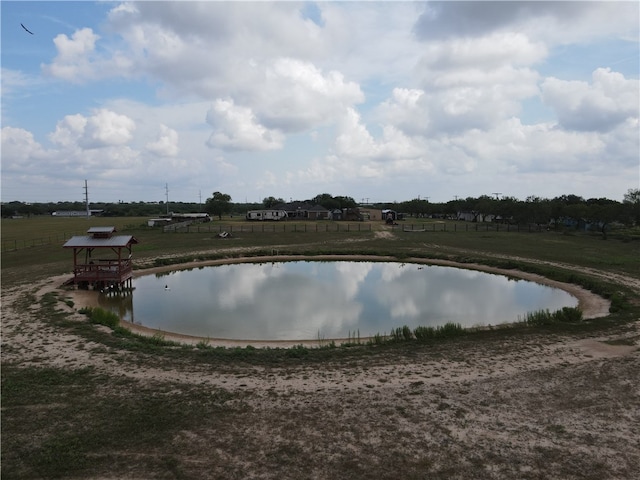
x: 273, y: 227
x: 15, y: 244
x: 277, y: 227
x: 470, y: 227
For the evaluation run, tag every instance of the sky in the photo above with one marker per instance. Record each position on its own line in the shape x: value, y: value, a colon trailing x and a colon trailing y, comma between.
x: 379, y: 101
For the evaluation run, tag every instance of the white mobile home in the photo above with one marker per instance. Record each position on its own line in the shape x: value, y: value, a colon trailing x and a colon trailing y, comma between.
x: 266, y: 215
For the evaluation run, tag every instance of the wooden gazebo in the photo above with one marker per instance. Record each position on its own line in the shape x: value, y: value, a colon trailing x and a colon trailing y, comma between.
x: 102, y: 260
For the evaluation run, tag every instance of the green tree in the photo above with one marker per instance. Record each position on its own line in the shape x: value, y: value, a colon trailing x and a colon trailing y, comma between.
x: 269, y: 202
x: 218, y: 204
x: 346, y: 202
x: 631, y: 205
x: 327, y: 201
x: 603, y: 212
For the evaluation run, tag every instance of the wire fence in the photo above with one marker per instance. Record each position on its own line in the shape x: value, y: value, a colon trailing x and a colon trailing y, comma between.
x: 469, y: 227
x: 281, y: 227
x: 269, y: 227
x: 19, y: 244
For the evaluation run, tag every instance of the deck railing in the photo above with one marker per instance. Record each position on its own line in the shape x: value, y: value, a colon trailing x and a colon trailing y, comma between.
x: 104, y: 271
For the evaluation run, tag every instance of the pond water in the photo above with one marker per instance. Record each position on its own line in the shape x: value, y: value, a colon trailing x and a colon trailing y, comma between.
x: 312, y: 299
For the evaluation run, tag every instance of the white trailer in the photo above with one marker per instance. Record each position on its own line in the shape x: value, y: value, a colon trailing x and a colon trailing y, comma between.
x: 262, y: 215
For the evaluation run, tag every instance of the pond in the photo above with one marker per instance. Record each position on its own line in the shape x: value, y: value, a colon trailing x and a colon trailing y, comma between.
x: 301, y: 300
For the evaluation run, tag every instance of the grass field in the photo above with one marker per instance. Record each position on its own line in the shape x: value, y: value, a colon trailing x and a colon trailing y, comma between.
x: 40, y: 239
x: 82, y: 401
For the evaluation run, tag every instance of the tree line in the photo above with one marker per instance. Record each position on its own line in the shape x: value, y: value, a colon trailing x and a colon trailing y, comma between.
x: 565, y: 210
x: 542, y: 211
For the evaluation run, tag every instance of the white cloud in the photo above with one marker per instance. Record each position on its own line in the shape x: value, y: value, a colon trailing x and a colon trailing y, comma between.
x: 486, y: 53
x: 14, y: 81
x: 102, y: 129
x: 167, y: 143
x: 297, y: 96
x: 609, y: 101
x: 553, y: 22
x: 73, y: 61
x: 473, y: 83
x: 390, y: 103
x: 20, y: 151
x: 405, y: 110
x: 237, y: 128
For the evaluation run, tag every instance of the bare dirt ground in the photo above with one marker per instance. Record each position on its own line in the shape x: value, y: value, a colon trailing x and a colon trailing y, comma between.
x: 537, y: 406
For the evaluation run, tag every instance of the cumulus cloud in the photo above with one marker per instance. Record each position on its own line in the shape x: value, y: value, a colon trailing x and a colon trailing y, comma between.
x: 608, y: 101
x: 297, y: 96
x: 405, y: 110
x: 387, y: 99
x: 73, y: 61
x: 20, y: 149
x: 237, y: 128
x: 365, y: 153
x: 555, y: 21
x: 469, y: 18
x: 167, y: 143
x: 102, y: 129
x: 470, y: 83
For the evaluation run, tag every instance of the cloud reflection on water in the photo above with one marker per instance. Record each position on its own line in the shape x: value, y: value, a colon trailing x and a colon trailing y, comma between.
x: 304, y: 300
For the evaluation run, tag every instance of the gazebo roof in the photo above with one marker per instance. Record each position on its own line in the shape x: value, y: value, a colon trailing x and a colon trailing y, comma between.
x: 87, y: 241
x: 103, y: 230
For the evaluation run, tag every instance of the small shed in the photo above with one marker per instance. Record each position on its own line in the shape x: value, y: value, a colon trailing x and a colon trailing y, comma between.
x: 102, y: 260
x: 389, y: 215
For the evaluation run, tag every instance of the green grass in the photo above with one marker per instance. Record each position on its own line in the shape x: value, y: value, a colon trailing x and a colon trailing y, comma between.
x: 587, y: 250
x: 80, y: 430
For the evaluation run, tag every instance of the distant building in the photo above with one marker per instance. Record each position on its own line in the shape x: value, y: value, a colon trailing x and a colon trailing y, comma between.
x: 303, y: 210
x: 179, y: 220
x: 157, y: 222
x: 77, y: 213
x: 372, y: 214
x: 266, y: 214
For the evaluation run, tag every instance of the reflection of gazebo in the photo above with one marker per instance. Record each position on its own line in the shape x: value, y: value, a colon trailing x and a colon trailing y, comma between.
x: 110, y: 267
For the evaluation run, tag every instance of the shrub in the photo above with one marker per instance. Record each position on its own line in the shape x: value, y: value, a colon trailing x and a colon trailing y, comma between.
x: 539, y: 318
x: 568, y: 314
x: 406, y: 333
x: 396, y: 334
x: 297, y: 351
x: 450, y: 329
x: 545, y: 317
x: 377, y: 339
x: 101, y: 316
x: 618, y: 301
x: 423, y: 333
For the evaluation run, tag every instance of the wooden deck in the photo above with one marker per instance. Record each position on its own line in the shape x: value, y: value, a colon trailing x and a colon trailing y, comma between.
x: 107, y: 272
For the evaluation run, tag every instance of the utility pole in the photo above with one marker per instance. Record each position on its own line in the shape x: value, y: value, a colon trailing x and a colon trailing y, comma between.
x: 497, y: 194
x: 86, y: 198
x: 166, y: 194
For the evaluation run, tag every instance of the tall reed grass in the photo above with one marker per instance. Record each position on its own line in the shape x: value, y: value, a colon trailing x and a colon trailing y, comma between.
x: 545, y: 317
